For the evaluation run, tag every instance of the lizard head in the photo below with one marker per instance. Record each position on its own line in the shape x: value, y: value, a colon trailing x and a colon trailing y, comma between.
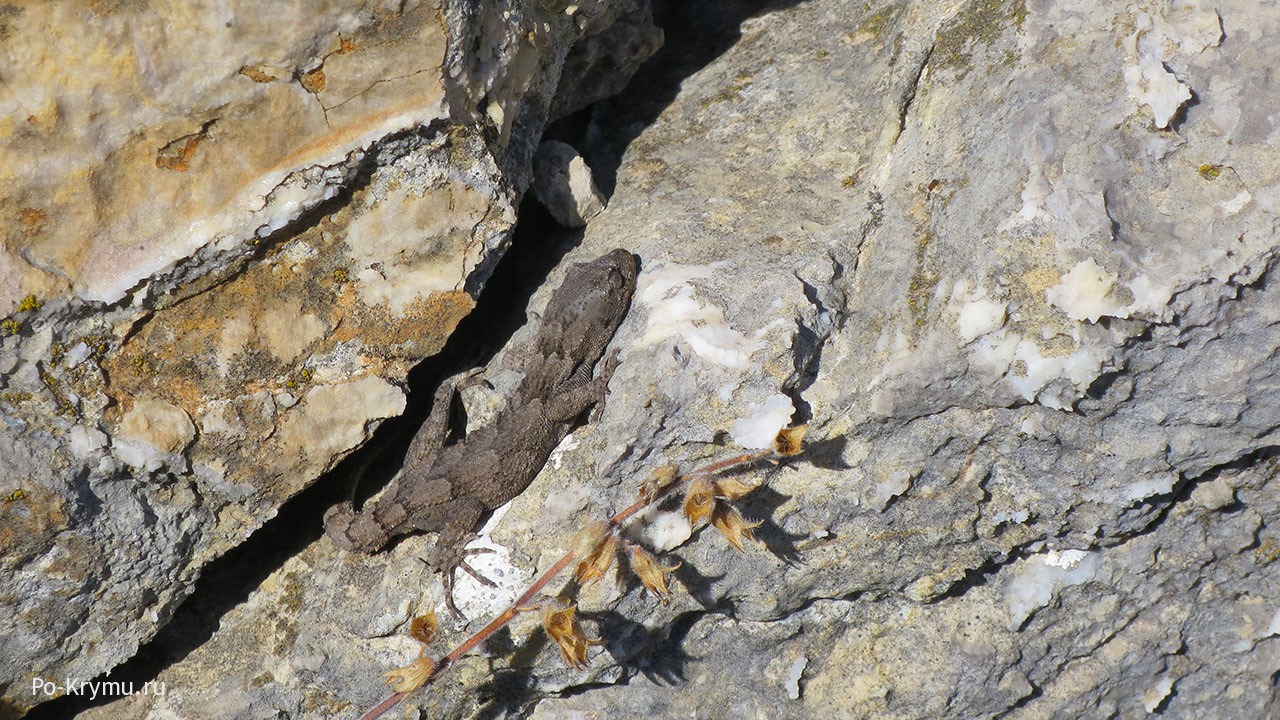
x: 593, y: 299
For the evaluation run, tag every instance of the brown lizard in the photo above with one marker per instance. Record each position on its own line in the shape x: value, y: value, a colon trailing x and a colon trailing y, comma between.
x: 448, y: 488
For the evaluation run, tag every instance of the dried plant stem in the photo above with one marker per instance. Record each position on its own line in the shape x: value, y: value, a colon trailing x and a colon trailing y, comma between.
x: 564, y: 562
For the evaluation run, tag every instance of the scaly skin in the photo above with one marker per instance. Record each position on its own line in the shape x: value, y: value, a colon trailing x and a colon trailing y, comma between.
x: 447, y: 489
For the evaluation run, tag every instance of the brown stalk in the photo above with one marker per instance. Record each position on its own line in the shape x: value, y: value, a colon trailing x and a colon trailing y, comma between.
x: 564, y: 562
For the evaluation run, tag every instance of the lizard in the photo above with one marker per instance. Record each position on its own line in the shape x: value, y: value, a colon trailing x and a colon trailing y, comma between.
x: 449, y: 488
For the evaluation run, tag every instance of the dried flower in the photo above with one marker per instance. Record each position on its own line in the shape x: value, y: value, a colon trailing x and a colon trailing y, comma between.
x: 790, y: 441
x: 558, y: 617
x: 698, y: 500
x: 596, y: 564
x: 652, y: 573
x: 658, y: 480
x: 588, y: 538
x: 412, y: 676
x: 424, y: 628
x: 731, y: 488
x: 732, y: 525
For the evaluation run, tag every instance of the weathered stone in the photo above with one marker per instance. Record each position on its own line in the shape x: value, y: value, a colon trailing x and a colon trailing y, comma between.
x: 231, y: 230
x: 562, y: 183
x: 1020, y: 286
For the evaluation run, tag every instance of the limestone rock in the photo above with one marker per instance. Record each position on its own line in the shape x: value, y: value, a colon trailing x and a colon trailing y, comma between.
x: 1021, y: 288
x: 230, y: 230
x: 562, y: 183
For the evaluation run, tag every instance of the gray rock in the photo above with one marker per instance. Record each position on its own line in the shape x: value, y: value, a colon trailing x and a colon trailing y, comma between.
x: 562, y: 183
x: 1013, y: 263
x: 257, y: 230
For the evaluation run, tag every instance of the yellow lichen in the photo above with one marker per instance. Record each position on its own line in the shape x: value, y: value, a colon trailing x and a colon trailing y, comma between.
x: 256, y: 74
x: 98, y: 346
x: 54, y: 386
x: 143, y: 366
x: 29, y: 303
x: 313, y: 82
x: 300, y: 378
x: 1268, y: 551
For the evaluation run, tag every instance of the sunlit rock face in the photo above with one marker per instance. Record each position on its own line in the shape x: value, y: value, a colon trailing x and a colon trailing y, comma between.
x: 228, y: 230
x: 1012, y: 262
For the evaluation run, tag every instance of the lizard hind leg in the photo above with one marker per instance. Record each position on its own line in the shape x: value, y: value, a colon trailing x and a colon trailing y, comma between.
x: 448, y: 569
x: 450, y: 552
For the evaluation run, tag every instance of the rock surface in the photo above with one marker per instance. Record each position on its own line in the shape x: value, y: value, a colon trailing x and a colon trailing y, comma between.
x: 1013, y: 264
x: 231, y: 229
x: 562, y: 182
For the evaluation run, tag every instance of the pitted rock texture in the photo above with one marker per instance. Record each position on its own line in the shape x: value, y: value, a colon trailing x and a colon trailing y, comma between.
x: 1013, y: 263
x: 231, y: 230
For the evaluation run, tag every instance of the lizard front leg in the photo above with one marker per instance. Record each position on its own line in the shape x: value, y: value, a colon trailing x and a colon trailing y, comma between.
x: 569, y: 404
x: 430, y: 438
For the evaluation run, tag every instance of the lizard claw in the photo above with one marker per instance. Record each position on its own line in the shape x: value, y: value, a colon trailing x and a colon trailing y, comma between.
x: 464, y: 565
x: 606, y: 373
x: 448, y: 569
x: 611, y: 363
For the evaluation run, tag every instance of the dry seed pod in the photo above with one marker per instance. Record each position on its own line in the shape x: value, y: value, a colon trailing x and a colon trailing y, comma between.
x: 596, y: 564
x: 659, y: 479
x: 732, y: 525
x: 652, y: 573
x: 412, y: 676
x: 424, y: 628
x: 558, y: 617
x: 698, y: 500
x: 732, y: 488
x: 790, y: 441
x: 589, y: 538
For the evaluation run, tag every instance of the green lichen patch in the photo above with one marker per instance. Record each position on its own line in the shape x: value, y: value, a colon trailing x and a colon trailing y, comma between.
x: 1210, y: 172
x: 876, y: 23
x: 923, y: 282
x: 29, y: 303
x: 977, y: 28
